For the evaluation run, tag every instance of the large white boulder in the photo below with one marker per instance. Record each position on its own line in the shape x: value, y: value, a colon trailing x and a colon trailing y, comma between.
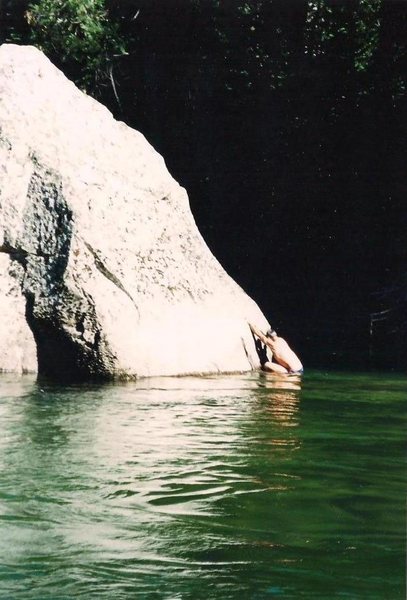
x: 101, y: 261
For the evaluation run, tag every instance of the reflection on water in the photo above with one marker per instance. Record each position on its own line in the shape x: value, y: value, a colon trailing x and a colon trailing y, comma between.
x: 223, y: 487
x: 282, y: 396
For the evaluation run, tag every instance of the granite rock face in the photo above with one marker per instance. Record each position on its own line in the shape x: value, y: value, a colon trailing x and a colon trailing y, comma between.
x: 103, y: 272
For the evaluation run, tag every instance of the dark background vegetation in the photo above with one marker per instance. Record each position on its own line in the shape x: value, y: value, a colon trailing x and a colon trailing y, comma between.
x: 285, y: 121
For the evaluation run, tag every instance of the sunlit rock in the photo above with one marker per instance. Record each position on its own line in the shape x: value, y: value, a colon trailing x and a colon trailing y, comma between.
x: 18, y: 352
x: 102, y: 262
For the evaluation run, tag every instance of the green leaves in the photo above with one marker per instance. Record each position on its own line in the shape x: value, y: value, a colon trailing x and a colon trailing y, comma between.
x: 78, y: 36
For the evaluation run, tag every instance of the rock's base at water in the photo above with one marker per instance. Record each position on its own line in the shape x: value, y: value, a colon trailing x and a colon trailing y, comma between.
x: 103, y: 272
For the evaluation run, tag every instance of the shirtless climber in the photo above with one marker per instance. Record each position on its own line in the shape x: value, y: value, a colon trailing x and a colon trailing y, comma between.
x: 286, y: 361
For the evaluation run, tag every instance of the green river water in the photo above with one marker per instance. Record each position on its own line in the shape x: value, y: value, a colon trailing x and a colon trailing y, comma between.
x: 243, y: 487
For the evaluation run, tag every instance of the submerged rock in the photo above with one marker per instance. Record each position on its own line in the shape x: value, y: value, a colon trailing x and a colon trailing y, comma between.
x: 103, y: 272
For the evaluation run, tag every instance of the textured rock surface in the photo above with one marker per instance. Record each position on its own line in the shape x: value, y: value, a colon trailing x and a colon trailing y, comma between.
x: 100, y: 256
x: 17, y: 347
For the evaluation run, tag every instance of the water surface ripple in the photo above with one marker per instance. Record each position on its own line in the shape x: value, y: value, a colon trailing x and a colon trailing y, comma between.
x: 216, y: 487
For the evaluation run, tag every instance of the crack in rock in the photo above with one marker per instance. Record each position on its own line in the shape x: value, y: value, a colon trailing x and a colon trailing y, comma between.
x: 101, y: 267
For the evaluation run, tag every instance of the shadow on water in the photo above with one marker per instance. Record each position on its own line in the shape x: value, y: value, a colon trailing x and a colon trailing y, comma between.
x: 241, y: 486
